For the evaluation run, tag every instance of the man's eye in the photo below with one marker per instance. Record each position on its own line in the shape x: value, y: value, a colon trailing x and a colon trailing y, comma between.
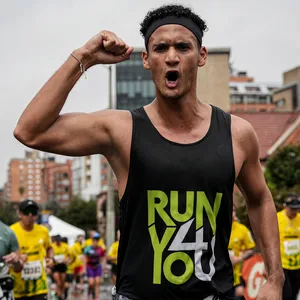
x: 160, y: 48
x: 183, y: 47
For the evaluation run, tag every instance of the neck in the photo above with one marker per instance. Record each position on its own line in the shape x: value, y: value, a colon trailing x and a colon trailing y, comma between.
x: 181, y: 113
x: 290, y: 215
x: 26, y: 227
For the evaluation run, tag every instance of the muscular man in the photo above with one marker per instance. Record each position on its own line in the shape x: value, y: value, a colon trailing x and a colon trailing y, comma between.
x: 176, y: 161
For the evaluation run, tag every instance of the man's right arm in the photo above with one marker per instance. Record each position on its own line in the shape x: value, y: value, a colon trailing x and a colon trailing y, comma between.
x: 41, y: 126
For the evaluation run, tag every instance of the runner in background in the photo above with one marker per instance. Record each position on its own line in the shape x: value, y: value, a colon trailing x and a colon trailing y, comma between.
x: 95, y: 262
x: 289, y: 230
x: 61, y: 259
x: 34, y: 242
x: 77, y: 248
x: 112, y: 257
x: 240, y: 247
x: 89, y: 241
x: 70, y: 268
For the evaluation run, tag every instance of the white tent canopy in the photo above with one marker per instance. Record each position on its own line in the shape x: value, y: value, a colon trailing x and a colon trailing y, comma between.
x: 64, y: 229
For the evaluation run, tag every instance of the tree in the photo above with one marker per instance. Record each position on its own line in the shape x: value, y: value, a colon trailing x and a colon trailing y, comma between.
x: 80, y: 213
x: 8, y: 213
x: 283, y: 173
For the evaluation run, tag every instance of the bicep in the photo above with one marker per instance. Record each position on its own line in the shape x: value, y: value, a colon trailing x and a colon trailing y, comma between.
x: 76, y: 134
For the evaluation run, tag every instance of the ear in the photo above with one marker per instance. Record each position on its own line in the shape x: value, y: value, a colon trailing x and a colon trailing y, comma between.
x: 145, y: 57
x: 202, y: 56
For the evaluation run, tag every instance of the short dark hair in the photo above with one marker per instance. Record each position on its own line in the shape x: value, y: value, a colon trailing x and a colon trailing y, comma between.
x: 171, y: 10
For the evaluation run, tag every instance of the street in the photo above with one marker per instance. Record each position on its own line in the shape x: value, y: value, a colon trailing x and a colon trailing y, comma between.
x: 105, y: 294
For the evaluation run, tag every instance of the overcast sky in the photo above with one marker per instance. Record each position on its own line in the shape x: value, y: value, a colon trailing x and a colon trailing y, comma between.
x: 36, y: 36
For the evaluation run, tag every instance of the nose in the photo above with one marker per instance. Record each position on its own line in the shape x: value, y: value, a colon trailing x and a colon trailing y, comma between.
x: 172, y: 57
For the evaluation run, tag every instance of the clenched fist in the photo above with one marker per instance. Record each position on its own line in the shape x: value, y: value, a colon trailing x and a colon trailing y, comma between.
x: 105, y: 48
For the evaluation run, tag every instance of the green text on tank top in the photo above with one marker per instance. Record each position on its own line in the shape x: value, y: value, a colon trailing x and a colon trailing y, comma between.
x: 177, y: 245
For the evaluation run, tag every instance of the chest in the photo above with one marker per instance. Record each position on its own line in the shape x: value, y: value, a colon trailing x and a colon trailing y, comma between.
x: 31, y: 244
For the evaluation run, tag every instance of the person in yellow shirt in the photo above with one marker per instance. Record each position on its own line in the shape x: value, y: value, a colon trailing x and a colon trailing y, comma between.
x: 89, y: 241
x: 77, y: 248
x: 289, y: 231
x: 61, y: 260
x: 70, y: 267
x: 113, y: 258
x: 240, y: 247
x: 34, y: 242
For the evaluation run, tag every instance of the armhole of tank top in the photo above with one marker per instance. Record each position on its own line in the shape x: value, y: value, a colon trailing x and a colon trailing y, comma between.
x: 228, y: 116
x: 128, y: 183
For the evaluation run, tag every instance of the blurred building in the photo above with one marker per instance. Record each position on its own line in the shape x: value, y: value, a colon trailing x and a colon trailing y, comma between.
x: 251, y: 96
x: 213, y: 78
x: 86, y: 179
x: 287, y: 98
x: 135, y: 88
x: 38, y: 178
x: 104, y: 174
x: 240, y: 76
x: 25, y: 178
x: 58, y: 181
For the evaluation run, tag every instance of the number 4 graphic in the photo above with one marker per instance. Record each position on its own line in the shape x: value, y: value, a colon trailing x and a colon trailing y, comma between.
x: 198, y: 247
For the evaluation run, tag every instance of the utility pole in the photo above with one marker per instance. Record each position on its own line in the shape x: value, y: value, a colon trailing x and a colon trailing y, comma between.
x: 110, y: 205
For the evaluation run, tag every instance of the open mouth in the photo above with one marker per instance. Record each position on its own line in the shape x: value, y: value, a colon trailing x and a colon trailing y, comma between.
x: 172, y: 78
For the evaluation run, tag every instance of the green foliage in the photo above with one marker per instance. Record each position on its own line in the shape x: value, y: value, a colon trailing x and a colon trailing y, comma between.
x: 8, y: 213
x: 283, y: 173
x: 80, y: 213
x: 283, y: 168
x: 53, y: 206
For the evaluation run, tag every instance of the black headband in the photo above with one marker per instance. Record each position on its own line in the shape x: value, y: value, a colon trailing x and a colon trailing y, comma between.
x: 184, y: 21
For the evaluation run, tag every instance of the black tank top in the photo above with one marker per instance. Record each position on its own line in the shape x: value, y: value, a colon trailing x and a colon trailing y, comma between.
x: 176, y: 214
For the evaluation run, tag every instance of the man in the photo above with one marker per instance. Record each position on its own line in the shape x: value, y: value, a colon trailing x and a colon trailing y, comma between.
x: 77, y: 249
x: 9, y: 256
x: 9, y: 248
x: 89, y: 241
x: 289, y: 229
x: 62, y: 257
x: 240, y: 247
x: 95, y: 261
x: 112, y: 257
x: 34, y: 243
x: 176, y: 161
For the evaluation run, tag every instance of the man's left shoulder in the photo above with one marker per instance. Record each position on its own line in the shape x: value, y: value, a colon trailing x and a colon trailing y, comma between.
x: 243, y: 134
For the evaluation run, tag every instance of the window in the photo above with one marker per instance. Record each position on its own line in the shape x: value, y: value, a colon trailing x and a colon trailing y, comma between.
x: 280, y: 103
x: 30, y: 187
x: 252, y: 88
x: 233, y: 88
x: 30, y: 165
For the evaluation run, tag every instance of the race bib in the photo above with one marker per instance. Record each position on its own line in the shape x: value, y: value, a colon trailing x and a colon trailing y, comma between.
x: 59, y: 258
x: 32, y: 270
x: 291, y: 247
